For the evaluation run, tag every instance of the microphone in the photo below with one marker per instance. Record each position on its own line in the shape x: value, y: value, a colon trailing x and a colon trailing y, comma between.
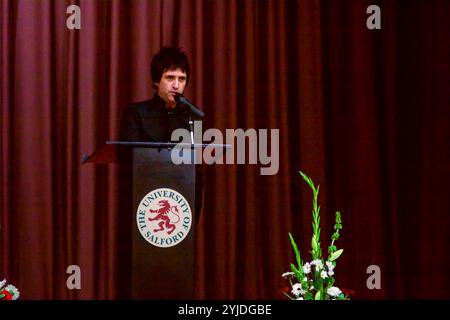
x: 185, y: 102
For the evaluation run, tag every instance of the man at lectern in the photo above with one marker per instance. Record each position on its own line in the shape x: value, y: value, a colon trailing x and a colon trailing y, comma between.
x: 154, y: 120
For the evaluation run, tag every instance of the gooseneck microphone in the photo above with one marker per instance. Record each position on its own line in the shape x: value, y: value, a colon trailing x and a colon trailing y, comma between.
x: 179, y: 98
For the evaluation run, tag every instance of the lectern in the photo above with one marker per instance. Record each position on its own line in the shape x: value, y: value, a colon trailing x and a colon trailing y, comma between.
x: 158, y: 205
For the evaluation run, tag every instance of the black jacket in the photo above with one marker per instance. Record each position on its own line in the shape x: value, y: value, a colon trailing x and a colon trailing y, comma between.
x: 151, y: 121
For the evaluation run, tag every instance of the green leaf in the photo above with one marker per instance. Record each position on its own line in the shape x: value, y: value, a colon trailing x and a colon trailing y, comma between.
x: 338, y: 217
x: 307, y: 179
x: 314, y: 243
x: 318, y: 296
x: 336, y: 255
x: 297, y: 273
x: 297, y: 252
x: 294, y: 268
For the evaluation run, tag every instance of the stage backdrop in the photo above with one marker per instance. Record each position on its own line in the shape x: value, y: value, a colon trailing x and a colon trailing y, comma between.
x: 364, y: 112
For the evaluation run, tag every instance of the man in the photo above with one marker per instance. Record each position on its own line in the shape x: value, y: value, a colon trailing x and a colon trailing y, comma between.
x: 154, y: 120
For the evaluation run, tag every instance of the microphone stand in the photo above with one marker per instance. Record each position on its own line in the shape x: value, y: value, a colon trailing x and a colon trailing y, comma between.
x: 191, y: 127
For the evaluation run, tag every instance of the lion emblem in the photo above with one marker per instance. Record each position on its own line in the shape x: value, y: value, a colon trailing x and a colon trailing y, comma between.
x: 162, y: 214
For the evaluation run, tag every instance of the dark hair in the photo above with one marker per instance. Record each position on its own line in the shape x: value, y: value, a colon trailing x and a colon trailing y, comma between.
x: 168, y: 58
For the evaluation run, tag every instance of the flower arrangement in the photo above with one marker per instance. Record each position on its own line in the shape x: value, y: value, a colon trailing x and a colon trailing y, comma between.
x: 9, y: 292
x: 314, y: 280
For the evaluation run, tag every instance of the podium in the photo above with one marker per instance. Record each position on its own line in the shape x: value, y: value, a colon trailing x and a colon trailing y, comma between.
x: 157, y: 219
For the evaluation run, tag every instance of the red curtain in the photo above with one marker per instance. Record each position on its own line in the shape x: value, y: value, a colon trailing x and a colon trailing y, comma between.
x: 364, y: 112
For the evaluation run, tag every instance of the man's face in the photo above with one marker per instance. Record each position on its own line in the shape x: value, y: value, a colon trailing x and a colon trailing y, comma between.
x: 172, y: 81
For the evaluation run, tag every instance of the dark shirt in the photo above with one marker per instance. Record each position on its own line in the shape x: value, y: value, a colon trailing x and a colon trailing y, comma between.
x: 151, y: 121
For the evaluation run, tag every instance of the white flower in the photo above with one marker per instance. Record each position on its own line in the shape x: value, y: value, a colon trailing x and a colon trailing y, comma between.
x: 299, y: 298
x: 2, y: 283
x: 296, y: 286
x: 305, y: 279
x: 330, y: 265
x: 323, y: 274
x: 334, y: 291
x: 13, y: 290
x: 330, y: 268
x: 311, y: 288
x: 319, y: 265
x: 307, y: 268
x: 287, y: 274
x: 297, y: 289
